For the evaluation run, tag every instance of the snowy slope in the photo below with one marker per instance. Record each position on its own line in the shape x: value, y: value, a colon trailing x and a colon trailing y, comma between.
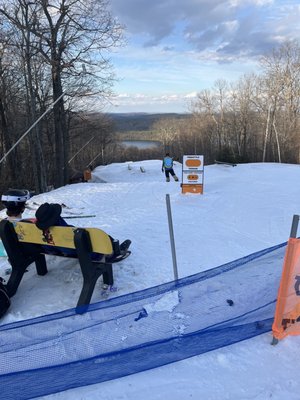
x: 244, y: 209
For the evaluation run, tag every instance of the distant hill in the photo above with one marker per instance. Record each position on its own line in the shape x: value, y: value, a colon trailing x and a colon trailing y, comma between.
x: 139, y: 121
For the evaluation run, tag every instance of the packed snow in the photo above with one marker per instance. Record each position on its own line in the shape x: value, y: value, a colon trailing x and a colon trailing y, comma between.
x: 243, y: 209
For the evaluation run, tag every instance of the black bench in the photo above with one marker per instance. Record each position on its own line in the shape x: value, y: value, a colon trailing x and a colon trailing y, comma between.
x: 25, y: 244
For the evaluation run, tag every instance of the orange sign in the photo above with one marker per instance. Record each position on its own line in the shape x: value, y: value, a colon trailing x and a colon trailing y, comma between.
x: 192, y: 173
x: 87, y: 175
x: 193, y: 163
x: 192, y: 188
x: 192, y: 177
x: 286, y: 319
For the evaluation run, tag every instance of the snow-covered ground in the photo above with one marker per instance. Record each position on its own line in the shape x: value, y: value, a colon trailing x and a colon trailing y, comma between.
x: 243, y: 209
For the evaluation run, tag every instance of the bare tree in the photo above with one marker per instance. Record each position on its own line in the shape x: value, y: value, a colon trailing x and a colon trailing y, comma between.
x: 167, y: 132
x: 10, y: 102
x: 243, y: 116
x: 25, y: 18
x: 281, y: 74
x: 74, y: 38
x: 91, y: 135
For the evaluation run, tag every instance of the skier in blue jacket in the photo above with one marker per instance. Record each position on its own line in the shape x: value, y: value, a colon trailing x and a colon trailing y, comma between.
x: 167, y: 167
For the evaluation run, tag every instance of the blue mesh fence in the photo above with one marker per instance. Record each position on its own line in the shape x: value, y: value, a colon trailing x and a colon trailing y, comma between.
x: 142, y: 330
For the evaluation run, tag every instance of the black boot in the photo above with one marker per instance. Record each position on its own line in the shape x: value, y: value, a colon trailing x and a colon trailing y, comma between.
x: 125, y: 245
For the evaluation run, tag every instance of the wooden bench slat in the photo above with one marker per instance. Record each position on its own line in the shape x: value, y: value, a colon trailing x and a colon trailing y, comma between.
x: 62, y: 236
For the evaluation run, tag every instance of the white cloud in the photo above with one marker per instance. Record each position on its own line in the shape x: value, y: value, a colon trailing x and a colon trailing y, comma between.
x: 167, y: 102
x: 237, y: 3
x: 231, y: 27
x: 180, y: 47
x: 192, y: 95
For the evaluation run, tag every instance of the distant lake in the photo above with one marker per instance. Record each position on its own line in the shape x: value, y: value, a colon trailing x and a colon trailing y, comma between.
x: 141, y: 144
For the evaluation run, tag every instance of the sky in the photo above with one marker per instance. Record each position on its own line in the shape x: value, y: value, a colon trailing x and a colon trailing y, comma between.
x: 243, y: 209
x: 176, y: 48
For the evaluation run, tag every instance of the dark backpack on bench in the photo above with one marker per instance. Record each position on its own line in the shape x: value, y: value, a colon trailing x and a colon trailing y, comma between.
x: 4, y: 299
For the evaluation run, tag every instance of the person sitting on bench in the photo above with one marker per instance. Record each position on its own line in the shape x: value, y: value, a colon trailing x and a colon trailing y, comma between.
x: 48, y: 215
x: 14, y: 200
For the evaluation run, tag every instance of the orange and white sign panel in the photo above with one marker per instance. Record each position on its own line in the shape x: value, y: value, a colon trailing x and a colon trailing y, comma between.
x: 192, y: 177
x: 193, y: 169
x: 186, y: 188
x: 193, y: 162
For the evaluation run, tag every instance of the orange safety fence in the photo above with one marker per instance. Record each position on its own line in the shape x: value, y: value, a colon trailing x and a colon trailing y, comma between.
x: 287, y: 313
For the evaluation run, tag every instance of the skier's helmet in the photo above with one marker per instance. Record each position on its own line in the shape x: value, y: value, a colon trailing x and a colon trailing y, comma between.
x: 15, y: 197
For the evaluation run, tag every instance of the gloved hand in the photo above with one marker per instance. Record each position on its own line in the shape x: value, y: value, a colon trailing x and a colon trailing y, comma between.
x: 162, y: 170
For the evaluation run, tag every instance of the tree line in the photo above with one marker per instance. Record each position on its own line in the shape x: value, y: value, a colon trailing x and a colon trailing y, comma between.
x: 256, y: 119
x: 53, y: 55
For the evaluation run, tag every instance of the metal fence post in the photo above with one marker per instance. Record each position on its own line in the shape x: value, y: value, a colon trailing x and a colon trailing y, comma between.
x: 294, y: 228
x: 172, y: 237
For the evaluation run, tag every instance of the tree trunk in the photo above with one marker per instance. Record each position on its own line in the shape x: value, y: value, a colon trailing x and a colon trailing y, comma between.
x: 266, y: 134
x: 61, y: 150
x: 277, y: 141
x: 38, y: 162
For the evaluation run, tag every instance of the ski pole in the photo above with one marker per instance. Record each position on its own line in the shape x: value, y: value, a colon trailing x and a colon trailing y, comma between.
x: 79, y: 216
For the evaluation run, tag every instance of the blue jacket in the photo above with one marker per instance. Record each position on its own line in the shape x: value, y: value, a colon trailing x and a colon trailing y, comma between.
x: 167, y: 163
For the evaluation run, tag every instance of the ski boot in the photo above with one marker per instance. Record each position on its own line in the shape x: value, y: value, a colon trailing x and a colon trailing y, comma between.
x: 120, y: 251
x: 125, y: 245
x: 120, y: 248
